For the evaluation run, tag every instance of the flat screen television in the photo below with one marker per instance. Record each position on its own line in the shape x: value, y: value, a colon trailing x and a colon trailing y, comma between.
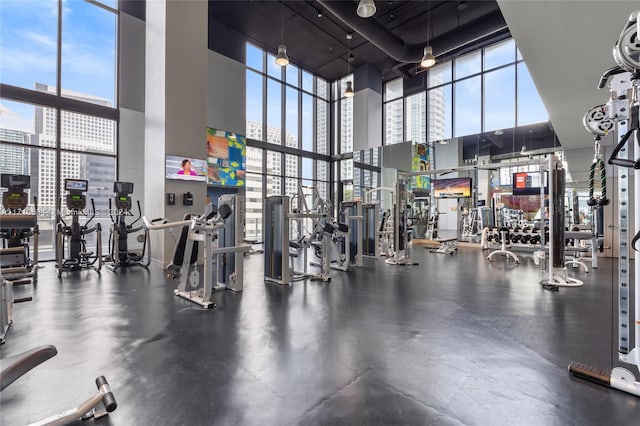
x: 528, y: 183
x: 185, y: 168
x: 452, y: 188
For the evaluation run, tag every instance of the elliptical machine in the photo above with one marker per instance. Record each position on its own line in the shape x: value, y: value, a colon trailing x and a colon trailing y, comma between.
x: 74, y: 234
x: 119, y: 253
x: 16, y: 264
x: 18, y: 228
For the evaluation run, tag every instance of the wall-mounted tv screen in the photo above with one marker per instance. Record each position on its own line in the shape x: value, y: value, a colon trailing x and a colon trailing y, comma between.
x: 528, y: 183
x: 452, y: 188
x: 185, y: 168
x: 226, y: 157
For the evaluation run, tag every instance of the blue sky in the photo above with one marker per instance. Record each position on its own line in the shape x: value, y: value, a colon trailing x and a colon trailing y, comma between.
x: 28, y: 47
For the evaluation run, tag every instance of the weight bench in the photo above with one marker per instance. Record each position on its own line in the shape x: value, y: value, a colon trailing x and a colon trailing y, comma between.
x: 576, y: 250
x: 447, y: 245
x: 504, y: 239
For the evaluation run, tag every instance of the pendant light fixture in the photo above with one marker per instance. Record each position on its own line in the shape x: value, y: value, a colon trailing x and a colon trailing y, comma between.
x: 281, y: 58
x: 428, y: 60
x: 366, y: 8
x: 348, y: 93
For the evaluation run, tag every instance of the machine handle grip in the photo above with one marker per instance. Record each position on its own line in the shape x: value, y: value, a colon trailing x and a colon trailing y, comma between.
x: 614, y: 160
x: 137, y: 229
x: 604, y: 80
x: 139, y: 214
x: 110, y: 212
x: 163, y: 224
x: 93, y: 213
x: 35, y: 203
x: 60, y: 219
x: 625, y: 163
x: 108, y: 400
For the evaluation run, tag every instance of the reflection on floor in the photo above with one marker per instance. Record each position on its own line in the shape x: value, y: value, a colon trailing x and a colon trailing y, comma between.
x: 453, y: 340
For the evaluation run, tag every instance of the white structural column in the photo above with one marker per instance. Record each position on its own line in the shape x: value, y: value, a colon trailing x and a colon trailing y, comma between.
x: 176, y: 70
x: 367, y: 108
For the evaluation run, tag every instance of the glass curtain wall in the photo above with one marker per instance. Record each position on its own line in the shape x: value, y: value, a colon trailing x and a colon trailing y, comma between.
x: 288, y: 124
x: 40, y: 138
x: 486, y: 90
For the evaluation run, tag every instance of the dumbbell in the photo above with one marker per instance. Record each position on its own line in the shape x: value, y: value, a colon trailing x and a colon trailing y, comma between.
x: 525, y: 239
x: 515, y: 238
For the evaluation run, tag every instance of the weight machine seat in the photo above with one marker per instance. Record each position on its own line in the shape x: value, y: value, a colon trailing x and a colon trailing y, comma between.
x: 578, y: 235
x: 16, y: 366
x: 446, y: 240
x: 343, y: 227
x: 295, y: 245
x: 178, y: 251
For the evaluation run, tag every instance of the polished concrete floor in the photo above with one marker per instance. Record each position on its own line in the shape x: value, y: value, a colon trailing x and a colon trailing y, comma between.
x: 451, y: 341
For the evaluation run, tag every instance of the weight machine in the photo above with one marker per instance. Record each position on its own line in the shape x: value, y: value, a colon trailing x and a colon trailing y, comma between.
x: 353, y: 242
x: 399, y: 232
x: 73, y: 236
x: 277, y: 223
x: 16, y: 264
x: 98, y: 405
x: 119, y: 253
x: 370, y: 220
x: 557, y: 271
x: 227, y: 227
x: 626, y: 115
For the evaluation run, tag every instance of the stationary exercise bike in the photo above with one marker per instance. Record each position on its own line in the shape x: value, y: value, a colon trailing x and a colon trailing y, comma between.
x: 119, y: 253
x: 73, y: 236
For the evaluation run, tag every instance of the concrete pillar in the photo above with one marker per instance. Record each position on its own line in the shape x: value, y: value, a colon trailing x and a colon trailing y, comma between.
x: 367, y: 108
x: 175, y: 107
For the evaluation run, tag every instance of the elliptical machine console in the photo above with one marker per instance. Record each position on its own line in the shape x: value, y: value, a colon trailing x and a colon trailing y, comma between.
x: 119, y: 253
x: 73, y: 237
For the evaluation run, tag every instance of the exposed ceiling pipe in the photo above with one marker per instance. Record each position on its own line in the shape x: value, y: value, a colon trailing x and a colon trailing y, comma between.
x: 403, y: 52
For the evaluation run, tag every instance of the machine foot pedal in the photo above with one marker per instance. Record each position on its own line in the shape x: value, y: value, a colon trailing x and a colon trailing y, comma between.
x: 593, y: 374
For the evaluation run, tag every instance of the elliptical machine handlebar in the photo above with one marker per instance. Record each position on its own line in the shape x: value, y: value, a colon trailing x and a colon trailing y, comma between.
x: 93, y: 214
x: 137, y: 219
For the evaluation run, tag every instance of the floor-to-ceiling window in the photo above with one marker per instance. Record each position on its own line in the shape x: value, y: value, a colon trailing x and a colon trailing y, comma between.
x: 485, y: 90
x: 58, y: 111
x: 288, y: 125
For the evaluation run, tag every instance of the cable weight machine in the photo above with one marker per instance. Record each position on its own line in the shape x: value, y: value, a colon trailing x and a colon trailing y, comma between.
x: 626, y: 53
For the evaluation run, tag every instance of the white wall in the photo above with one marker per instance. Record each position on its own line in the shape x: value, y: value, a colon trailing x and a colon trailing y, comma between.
x: 226, y: 94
